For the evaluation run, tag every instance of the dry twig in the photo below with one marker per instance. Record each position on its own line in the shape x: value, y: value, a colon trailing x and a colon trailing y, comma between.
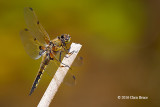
x: 59, y: 76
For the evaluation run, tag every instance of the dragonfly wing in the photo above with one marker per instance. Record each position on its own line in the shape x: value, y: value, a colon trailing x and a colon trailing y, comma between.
x: 78, y: 61
x: 69, y: 79
x: 35, y: 27
x: 51, y: 68
x: 30, y: 44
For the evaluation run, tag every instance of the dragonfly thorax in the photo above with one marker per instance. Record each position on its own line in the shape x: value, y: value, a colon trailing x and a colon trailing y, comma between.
x: 46, y: 49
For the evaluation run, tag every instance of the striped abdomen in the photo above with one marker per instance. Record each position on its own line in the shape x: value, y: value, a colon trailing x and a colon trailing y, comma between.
x: 41, y: 70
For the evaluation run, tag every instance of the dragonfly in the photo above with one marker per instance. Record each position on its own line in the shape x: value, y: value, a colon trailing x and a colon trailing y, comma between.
x: 37, y: 44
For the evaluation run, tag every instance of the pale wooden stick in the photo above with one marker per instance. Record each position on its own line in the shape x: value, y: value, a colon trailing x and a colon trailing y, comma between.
x: 59, y: 76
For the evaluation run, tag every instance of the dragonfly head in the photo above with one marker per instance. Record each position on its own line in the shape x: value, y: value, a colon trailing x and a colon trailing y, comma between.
x: 65, y: 38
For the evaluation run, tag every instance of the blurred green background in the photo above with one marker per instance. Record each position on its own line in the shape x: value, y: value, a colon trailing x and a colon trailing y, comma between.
x: 121, y: 51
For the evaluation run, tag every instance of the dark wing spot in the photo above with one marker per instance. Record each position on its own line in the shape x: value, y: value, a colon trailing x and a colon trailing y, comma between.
x: 40, y: 47
x: 74, y: 77
x: 35, y: 39
x: 81, y: 58
x: 38, y: 22
x: 30, y: 8
x: 26, y: 29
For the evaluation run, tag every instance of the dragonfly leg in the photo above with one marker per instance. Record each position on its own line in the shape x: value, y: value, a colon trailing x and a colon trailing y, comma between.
x: 60, y: 55
x: 70, y: 53
x: 63, y: 65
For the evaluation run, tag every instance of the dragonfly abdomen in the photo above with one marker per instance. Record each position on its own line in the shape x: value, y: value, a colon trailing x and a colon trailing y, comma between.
x: 41, y: 70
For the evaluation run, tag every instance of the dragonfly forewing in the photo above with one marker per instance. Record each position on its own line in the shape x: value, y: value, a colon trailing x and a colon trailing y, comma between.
x: 35, y: 27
